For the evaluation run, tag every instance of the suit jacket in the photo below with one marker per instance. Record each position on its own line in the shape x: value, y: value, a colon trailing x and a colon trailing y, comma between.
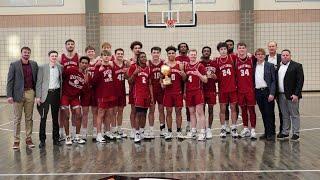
x: 269, y: 76
x: 15, y: 80
x: 278, y: 60
x: 293, y: 80
x: 42, y: 85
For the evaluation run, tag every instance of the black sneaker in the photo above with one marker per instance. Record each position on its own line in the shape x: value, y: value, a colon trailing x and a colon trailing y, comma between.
x: 271, y: 138
x: 283, y: 136
x: 263, y: 137
x: 295, y: 137
x: 278, y: 135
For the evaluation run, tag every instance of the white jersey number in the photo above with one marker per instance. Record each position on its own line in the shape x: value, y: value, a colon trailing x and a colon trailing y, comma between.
x: 226, y: 72
x: 244, y: 72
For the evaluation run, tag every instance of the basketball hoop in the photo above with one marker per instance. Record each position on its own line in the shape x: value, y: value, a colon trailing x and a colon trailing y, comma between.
x: 171, y: 24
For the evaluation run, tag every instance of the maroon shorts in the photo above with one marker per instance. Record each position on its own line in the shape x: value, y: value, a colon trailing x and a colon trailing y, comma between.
x: 210, y: 98
x: 105, y: 103
x: 158, y: 97
x: 173, y: 100
x: 120, y: 101
x: 248, y: 99
x: 69, y: 101
x: 229, y: 97
x: 194, y: 98
x: 142, y: 102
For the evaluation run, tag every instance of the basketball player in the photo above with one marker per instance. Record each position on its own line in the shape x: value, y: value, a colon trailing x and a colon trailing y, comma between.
x: 227, y: 88
x: 73, y: 82
x: 103, y: 82
x: 155, y: 65
x: 139, y: 73
x: 173, y: 97
x: 209, y: 88
x: 196, y: 75
x: 245, y: 89
x: 68, y: 59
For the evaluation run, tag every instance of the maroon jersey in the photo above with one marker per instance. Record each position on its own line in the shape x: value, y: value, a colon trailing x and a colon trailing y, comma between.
x: 73, y: 82
x: 176, y: 80
x: 104, y: 83
x: 67, y: 62
x: 155, y: 76
x: 141, y: 81
x: 244, y: 71
x: 226, y: 74
x: 210, y: 86
x: 194, y: 81
x: 119, y: 81
x: 92, y: 68
x: 184, y: 59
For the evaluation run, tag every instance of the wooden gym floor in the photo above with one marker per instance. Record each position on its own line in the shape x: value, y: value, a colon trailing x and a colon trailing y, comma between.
x: 188, y: 159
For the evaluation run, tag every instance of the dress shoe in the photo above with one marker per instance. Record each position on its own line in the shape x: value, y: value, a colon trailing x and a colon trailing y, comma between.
x: 42, y: 144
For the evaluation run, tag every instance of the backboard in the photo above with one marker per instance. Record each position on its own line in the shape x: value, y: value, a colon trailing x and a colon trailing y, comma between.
x: 157, y: 12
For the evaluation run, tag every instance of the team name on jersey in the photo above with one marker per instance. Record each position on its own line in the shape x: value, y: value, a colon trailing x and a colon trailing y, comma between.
x: 212, y: 69
x: 75, y: 80
x: 225, y: 66
x: 107, y: 74
x: 244, y: 66
x: 143, y: 74
x: 155, y: 69
x: 119, y: 71
x: 175, y: 70
x: 70, y: 63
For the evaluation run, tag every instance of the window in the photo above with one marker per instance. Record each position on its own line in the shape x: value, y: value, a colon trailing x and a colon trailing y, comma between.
x: 30, y: 3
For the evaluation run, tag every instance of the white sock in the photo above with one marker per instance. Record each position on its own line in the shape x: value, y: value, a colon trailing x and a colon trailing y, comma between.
x: 151, y: 128
x: 193, y: 130
x: 202, y: 131
x: 137, y: 131
x: 84, y: 131
x: 223, y: 126
x: 233, y: 126
x: 61, y: 131
x: 141, y: 130
x: 114, y: 129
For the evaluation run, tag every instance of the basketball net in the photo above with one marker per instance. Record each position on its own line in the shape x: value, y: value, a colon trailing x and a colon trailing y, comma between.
x: 171, y: 24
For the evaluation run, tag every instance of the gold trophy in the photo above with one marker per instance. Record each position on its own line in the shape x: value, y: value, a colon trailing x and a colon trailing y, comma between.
x: 165, y: 70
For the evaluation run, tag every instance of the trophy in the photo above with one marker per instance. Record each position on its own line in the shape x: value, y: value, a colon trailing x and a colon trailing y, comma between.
x: 165, y: 70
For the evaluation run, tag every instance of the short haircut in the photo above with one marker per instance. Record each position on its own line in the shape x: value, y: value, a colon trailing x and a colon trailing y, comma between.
x: 138, y: 58
x: 206, y: 47
x: 261, y: 50
x: 286, y: 50
x: 241, y: 44
x: 84, y: 58
x: 105, y: 44
x: 89, y: 48
x: 272, y: 42
x: 193, y: 50
x: 119, y: 49
x: 229, y: 40
x: 179, y: 45
x: 135, y: 43
x: 52, y: 51
x: 222, y: 44
x: 106, y: 53
x: 155, y: 48
x: 69, y: 40
x: 171, y: 48
x: 25, y: 48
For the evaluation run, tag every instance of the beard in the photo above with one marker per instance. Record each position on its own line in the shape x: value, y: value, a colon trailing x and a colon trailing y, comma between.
x: 230, y: 50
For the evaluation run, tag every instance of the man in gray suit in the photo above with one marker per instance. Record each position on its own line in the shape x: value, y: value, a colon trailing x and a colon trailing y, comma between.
x: 48, y: 88
x: 21, y: 82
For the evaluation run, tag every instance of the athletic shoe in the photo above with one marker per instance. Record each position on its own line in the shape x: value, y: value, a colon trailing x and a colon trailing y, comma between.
x: 109, y: 135
x: 202, y: 136
x: 283, y: 136
x: 188, y: 128
x: 245, y: 133
x: 234, y: 133
x: 132, y: 133
x: 295, y: 137
x: 142, y: 135
x: 116, y: 135
x: 122, y: 133
x: 100, y: 139
x: 137, y: 138
x: 62, y: 137
x: 223, y: 133
x: 79, y: 140
x: 151, y: 134
x: 209, y: 133
x: 68, y: 141
x: 253, y: 135
x: 168, y: 136
x: 179, y: 135
x: 191, y: 135
x: 162, y: 133
x: 94, y: 134
x: 228, y: 130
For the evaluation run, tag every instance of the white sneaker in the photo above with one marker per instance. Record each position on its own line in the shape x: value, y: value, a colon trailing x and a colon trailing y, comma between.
x: 202, y: 136
x: 68, y: 141
x: 180, y: 135
x: 62, y: 137
x: 116, y: 135
x: 191, y: 135
x: 100, y: 139
x: 168, y: 136
x: 162, y: 133
x: 209, y: 133
x: 137, y: 138
x: 223, y: 133
x: 151, y: 134
x: 228, y: 130
x: 142, y: 135
x: 253, y: 135
x: 188, y: 128
x: 245, y: 133
x: 234, y: 133
x: 79, y: 140
x: 132, y: 133
x: 94, y: 134
x: 122, y: 133
x: 109, y: 135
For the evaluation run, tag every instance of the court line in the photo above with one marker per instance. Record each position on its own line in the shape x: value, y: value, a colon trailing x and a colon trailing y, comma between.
x: 172, y: 172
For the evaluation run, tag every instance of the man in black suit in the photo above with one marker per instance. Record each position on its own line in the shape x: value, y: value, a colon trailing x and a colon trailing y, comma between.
x: 275, y: 58
x: 290, y: 83
x: 265, y: 89
x: 21, y: 82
